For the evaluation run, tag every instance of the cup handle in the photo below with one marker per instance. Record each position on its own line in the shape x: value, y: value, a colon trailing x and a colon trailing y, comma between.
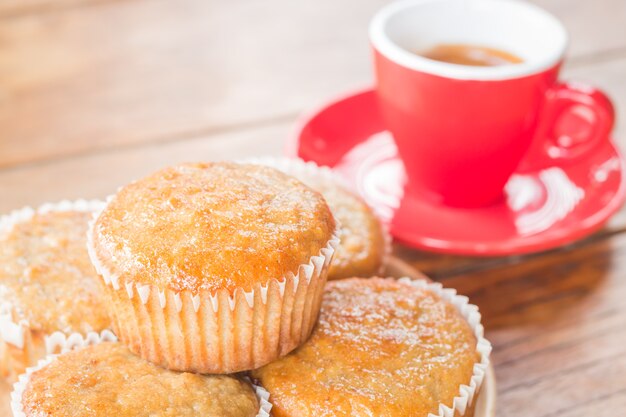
x: 575, y: 120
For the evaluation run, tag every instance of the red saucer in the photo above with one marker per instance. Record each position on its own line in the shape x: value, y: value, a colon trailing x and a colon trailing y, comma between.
x: 542, y: 209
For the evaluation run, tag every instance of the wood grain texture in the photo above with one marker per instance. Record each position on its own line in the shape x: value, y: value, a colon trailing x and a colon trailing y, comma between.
x: 595, y: 27
x: 558, y: 325
x: 98, y: 175
x: 141, y: 71
x: 10, y: 9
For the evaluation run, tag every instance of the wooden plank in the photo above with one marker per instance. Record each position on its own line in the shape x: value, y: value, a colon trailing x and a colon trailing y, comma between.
x: 86, y: 78
x: 129, y: 72
x: 442, y: 266
x: 569, y: 391
x: 97, y: 175
x: 600, y: 344
x: 596, y: 28
x: 558, y: 325
x: 608, y: 405
x: 16, y: 8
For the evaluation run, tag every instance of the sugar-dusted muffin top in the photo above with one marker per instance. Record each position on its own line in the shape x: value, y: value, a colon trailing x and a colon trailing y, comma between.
x: 362, y: 246
x: 381, y: 348
x: 46, y: 276
x: 208, y: 226
x: 107, y: 380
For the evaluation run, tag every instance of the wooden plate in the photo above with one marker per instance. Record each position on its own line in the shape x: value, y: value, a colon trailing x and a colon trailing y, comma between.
x: 5, y: 399
x: 396, y: 268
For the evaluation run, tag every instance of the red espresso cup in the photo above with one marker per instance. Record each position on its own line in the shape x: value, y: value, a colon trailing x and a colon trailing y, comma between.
x: 462, y: 131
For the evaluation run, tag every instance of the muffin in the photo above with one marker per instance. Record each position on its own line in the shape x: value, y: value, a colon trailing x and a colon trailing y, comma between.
x: 383, y: 347
x: 213, y: 267
x: 106, y: 379
x: 365, y: 243
x: 49, y: 289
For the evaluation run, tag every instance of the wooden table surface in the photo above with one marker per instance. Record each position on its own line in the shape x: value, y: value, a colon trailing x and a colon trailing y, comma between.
x: 94, y: 93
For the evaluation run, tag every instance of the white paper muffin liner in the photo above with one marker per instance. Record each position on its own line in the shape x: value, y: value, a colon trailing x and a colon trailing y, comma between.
x: 216, y: 332
x: 22, y: 344
x: 76, y: 342
x: 297, y: 167
x: 467, y: 393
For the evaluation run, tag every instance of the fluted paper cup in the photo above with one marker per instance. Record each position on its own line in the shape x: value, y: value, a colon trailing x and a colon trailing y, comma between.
x: 216, y: 332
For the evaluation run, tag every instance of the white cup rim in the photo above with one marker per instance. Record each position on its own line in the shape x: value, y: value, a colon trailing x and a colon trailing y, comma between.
x: 384, y: 45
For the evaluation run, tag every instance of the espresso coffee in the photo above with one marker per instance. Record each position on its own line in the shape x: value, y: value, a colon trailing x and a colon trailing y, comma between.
x: 474, y: 55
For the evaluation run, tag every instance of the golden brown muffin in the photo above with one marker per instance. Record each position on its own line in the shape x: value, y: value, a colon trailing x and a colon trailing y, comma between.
x: 47, y: 282
x: 106, y: 379
x: 383, y: 348
x: 364, y: 242
x: 362, y: 249
x: 214, y: 267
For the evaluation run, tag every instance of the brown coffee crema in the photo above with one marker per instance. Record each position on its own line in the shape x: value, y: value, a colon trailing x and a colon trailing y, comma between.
x: 472, y: 55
